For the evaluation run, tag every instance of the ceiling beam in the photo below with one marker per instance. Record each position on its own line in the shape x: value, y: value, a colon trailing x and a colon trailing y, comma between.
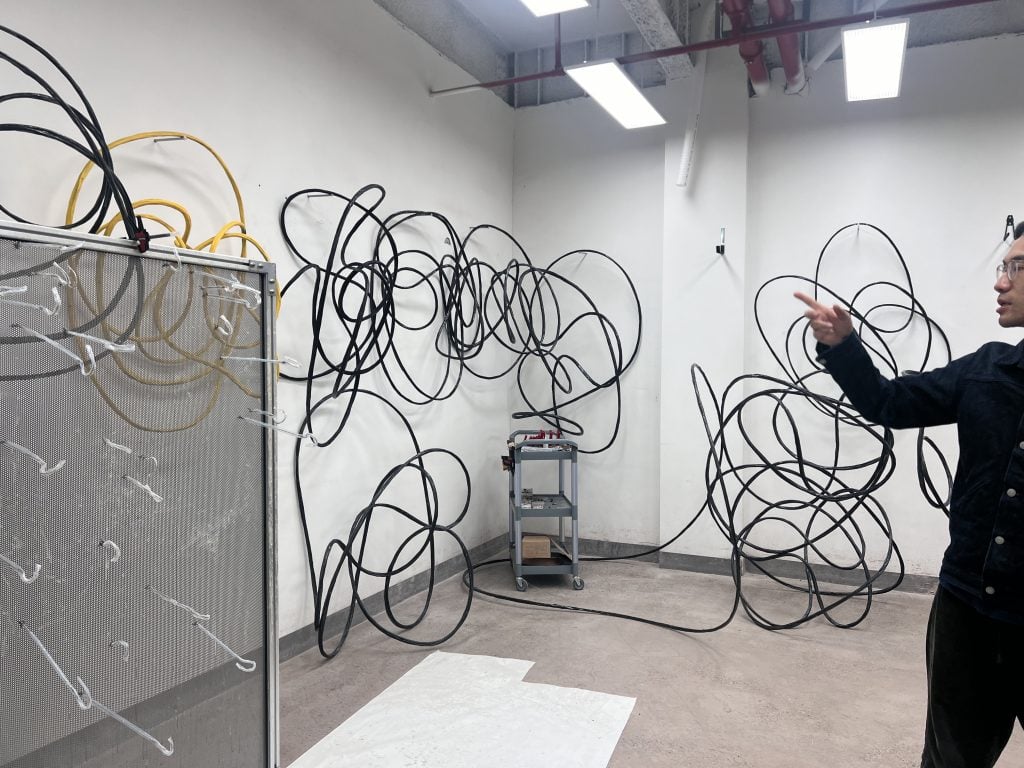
x: 657, y: 29
x: 449, y: 29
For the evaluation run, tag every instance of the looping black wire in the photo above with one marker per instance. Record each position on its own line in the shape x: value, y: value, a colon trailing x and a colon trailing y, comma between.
x: 834, y: 492
x: 470, y: 305
x: 92, y: 145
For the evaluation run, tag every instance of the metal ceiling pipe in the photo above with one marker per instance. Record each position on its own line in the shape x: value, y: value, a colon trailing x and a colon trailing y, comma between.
x: 789, y: 46
x: 836, y: 39
x: 751, y: 51
x: 755, y: 33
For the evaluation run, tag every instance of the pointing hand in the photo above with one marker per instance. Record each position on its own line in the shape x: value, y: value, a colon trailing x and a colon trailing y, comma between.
x: 830, y: 325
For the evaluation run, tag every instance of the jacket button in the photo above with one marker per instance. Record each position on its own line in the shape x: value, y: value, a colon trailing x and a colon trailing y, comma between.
x: 990, y: 590
x: 1011, y: 492
x: 1000, y: 540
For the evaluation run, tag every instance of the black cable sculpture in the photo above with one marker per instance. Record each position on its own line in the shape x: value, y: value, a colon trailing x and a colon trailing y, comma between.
x: 834, y: 492
x: 520, y: 308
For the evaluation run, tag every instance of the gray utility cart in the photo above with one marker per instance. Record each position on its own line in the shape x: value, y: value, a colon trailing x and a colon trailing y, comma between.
x: 564, y: 557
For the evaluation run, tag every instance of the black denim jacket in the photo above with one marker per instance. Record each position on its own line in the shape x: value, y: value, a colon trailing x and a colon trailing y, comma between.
x: 983, y: 394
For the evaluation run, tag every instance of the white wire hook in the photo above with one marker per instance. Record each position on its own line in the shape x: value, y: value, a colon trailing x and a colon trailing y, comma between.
x: 42, y: 308
x: 128, y: 346
x: 21, y: 571
x: 144, y: 487
x: 84, y: 700
x: 123, y: 644
x: 224, y: 326
x: 114, y: 549
x: 212, y: 293
x: 81, y: 363
x: 147, y: 460
x: 166, y: 751
x: 172, y: 601
x: 174, y: 250
x: 246, y: 665
x: 117, y: 446
x: 43, y: 468
x: 66, y: 277
x: 274, y: 425
x: 276, y: 416
x: 283, y: 360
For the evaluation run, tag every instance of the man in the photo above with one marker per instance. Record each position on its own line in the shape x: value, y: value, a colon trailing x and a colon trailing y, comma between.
x: 975, y: 638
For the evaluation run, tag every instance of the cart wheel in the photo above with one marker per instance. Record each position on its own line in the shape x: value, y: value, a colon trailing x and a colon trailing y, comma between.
x: 577, y: 582
x: 521, y: 585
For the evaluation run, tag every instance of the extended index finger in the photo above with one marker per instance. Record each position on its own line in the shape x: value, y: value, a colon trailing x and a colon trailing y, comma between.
x: 810, y: 302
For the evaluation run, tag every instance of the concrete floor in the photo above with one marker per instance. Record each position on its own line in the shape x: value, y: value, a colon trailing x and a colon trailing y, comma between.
x: 738, y: 698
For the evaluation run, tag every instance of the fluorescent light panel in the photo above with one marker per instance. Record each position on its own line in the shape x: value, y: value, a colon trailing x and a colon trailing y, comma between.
x: 873, y: 59
x: 547, y: 7
x: 610, y: 86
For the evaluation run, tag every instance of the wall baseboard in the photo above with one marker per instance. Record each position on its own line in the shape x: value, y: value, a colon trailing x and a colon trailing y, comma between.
x: 303, y: 639
x: 793, y: 571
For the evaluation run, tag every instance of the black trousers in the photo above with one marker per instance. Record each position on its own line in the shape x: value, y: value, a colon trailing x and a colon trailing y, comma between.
x: 975, y: 685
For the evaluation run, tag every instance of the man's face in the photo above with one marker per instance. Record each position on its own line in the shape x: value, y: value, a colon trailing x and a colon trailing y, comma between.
x: 1010, y: 296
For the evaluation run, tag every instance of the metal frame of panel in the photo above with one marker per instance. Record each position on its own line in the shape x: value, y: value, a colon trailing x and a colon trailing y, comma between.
x: 194, y: 673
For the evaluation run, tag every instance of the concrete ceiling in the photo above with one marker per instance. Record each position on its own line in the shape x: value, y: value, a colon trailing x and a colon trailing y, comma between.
x: 498, y: 39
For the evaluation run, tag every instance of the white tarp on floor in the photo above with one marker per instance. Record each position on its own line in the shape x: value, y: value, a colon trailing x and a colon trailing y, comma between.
x: 458, y: 711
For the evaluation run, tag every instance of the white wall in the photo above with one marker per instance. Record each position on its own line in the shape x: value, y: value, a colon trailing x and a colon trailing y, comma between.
x: 297, y: 94
x: 702, y: 293
x: 583, y: 182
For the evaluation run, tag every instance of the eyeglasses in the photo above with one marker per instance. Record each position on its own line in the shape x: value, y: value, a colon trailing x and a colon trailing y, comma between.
x: 1009, y: 268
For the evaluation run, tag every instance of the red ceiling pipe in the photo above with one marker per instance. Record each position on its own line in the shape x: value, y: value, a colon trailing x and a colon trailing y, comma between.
x: 789, y: 46
x: 752, y: 51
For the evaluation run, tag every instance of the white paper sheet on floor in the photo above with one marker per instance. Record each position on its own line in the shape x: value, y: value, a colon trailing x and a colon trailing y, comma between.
x: 459, y: 711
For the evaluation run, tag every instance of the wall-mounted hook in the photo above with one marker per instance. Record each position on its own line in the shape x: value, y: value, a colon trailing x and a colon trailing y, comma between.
x: 117, y: 446
x: 1010, y: 226
x: 720, y: 248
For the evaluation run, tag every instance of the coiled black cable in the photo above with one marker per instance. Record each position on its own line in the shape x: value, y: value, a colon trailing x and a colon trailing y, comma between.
x: 834, y: 493
x: 90, y: 143
x: 530, y: 312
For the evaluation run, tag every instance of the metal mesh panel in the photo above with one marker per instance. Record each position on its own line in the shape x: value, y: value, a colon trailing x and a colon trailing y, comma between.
x: 164, y: 491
